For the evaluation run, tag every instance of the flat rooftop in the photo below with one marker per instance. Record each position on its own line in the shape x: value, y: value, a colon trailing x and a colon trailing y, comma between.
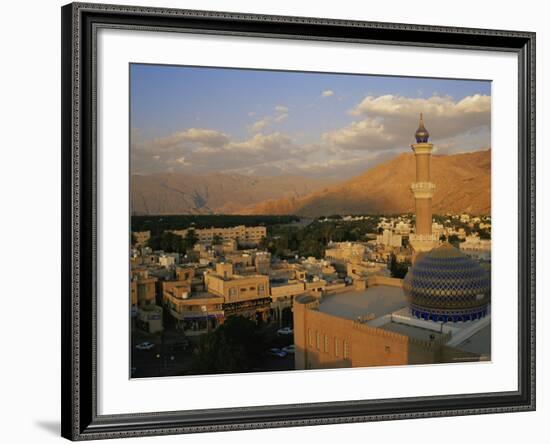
x: 479, y: 342
x: 412, y: 331
x: 378, y: 300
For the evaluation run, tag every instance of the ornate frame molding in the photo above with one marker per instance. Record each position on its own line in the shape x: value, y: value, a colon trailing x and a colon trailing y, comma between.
x: 80, y: 22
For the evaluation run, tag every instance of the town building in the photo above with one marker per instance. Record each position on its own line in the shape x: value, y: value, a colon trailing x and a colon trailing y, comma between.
x: 402, y: 228
x: 245, y: 295
x: 345, y: 252
x: 141, y: 238
x: 147, y: 314
x: 194, y: 313
x: 390, y: 239
x: 168, y: 259
x: 244, y: 236
x: 142, y: 287
x: 476, y: 247
x: 149, y: 318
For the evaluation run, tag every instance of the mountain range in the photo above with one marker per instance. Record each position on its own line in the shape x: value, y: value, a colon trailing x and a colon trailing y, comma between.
x: 463, y: 184
x: 218, y: 193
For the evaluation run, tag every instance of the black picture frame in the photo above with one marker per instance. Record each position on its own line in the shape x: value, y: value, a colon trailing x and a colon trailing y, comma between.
x: 80, y: 420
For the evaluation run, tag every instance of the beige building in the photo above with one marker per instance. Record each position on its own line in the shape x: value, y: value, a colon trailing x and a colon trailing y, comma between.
x: 262, y: 262
x: 143, y: 301
x: 365, y: 269
x: 194, y: 313
x: 390, y: 239
x: 141, y: 237
x: 142, y: 287
x: 243, y: 235
x: 345, y: 252
x: 243, y: 295
x: 149, y: 318
x: 373, y: 327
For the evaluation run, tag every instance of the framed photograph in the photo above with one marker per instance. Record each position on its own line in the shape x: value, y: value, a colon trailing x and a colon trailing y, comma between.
x: 281, y: 221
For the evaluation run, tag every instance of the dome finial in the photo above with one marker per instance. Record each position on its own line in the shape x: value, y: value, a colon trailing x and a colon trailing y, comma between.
x: 422, y: 133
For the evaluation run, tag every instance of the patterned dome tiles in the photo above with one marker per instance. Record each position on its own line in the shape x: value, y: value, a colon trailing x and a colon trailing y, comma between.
x: 447, y: 285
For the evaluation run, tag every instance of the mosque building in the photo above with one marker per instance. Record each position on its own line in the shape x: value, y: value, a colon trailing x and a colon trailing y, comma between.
x: 439, y: 313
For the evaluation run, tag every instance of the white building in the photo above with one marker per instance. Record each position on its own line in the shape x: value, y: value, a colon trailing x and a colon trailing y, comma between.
x: 474, y: 243
x: 403, y: 228
x: 168, y: 259
x: 465, y: 218
x: 389, y: 238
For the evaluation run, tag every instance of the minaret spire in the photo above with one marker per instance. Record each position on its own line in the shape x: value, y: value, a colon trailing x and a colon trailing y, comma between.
x: 422, y: 135
x: 423, y: 190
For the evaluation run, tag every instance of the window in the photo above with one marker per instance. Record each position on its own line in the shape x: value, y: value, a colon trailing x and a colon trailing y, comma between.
x: 243, y: 289
x: 318, y: 340
x: 336, y: 347
x: 252, y: 288
x: 232, y: 291
x: 387, y: 349
x: 346, y: 350
x: 326, y: 344
x: 310, y: 337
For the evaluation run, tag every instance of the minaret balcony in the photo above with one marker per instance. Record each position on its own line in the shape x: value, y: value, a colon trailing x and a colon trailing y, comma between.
x: 422, y: 148
x: 423, y: 237
x: 423, y: 190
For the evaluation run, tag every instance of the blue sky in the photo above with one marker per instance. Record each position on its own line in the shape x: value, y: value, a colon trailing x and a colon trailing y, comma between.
x: 188, y: 119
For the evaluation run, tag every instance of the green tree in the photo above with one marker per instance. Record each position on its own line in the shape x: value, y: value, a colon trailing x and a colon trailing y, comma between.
x: 454, y: 240
x: 167, y: 241
x: 236, y: 346
x: 484, y: 234
x: 190, y: 239
x: 397, y: 269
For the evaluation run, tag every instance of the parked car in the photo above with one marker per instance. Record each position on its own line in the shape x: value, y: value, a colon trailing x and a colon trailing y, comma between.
x: 276, y: 352
x: 290, y: 349
x: 145, y: 346
x: 285, y: 331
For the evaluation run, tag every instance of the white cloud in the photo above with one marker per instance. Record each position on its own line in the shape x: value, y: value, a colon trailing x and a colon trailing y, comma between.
x: 280, y: 115
x: 368, y: 134
x: 380, y: 127
x: 260, y: 125
x: 280, y: 118
x: 199, y: 136
x: 181, y: 161
x: 327, y: 93
x: 435, y: 106
x: 260, y: 142
x: 389, y: 122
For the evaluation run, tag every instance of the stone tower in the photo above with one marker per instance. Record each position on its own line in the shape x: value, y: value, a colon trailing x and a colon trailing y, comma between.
x: 423, y: 190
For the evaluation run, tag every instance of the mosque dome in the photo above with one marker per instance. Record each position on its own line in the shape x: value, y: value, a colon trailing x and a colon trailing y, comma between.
x: 422, y: 135
x: 445, y: 285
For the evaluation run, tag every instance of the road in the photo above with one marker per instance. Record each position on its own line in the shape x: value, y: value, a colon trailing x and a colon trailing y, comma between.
x: 163, y: 360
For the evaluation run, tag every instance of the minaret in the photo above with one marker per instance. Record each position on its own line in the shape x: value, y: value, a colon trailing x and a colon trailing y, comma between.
x: 423, y: 190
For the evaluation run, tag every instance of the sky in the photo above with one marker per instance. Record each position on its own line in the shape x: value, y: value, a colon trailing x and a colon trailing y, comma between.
x: 197, y: 120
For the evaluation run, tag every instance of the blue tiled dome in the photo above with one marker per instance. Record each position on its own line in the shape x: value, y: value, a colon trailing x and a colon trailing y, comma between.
x: 447, y: 285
